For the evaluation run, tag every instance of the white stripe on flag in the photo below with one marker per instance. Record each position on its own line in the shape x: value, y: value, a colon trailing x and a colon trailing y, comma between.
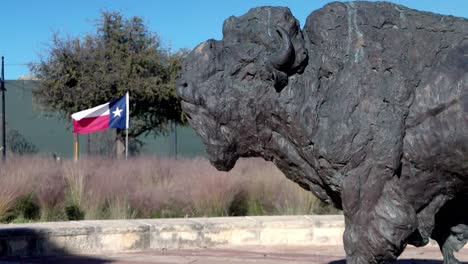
x: 96, y: 111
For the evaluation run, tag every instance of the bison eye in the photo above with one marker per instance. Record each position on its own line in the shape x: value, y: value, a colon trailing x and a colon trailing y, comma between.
x: 248, y: 76
x: 181, y: 83
x: 248, y: 72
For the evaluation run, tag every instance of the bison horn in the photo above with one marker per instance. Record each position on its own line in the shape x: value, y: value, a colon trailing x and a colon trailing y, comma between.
x: 285, y: 55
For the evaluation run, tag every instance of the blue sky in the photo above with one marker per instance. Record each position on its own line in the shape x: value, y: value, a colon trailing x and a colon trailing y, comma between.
x: 27, y: 25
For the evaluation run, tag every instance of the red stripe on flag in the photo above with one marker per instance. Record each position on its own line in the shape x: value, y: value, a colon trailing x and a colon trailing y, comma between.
x: 91, y: 124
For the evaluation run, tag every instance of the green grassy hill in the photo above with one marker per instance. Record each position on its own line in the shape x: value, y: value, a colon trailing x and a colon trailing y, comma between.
x: 52, y: 135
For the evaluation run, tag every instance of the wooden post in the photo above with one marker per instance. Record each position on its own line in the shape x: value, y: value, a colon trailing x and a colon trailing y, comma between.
x: 89, y: 144
x: 76, y: 146
x: 175, y: 140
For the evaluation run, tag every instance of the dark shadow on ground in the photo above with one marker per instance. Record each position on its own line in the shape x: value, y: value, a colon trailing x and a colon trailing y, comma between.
x: 25, y: 245
x: 55, y: 260
x: 403, y: 261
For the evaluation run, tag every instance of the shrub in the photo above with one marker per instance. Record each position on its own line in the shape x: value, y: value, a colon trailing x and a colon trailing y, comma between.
x: 74, y: 212
x: 239, y: 205
x: 26, y: 208
x: 13, y: 185
x: 51, y: 197
x: 19, y: 144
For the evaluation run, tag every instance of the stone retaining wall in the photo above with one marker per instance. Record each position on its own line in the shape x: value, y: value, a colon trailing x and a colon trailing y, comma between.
x: 88, y: 237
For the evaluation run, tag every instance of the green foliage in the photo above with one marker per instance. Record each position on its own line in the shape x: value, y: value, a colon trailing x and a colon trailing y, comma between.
x: 255, y: 207
x: 123, y: 55
x: 325, y: 209
x: 173, y: 212
x: 18, y: 144
x: 74, y: 212
x: 239, y: 205
x: 28, y: 207
x: 21, y: 220
x: 52, y: 214
x: 25, y: 209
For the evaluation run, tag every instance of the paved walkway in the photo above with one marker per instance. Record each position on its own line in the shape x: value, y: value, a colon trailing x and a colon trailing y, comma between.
x: 260, y: 255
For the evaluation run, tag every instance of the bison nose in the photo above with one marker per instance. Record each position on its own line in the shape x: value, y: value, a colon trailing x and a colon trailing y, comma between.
x: 182, y: 89
x: 181, y: 83
x: 223, y: 158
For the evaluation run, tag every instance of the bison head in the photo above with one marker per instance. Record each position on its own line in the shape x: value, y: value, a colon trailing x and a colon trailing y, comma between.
x: 229, y: 87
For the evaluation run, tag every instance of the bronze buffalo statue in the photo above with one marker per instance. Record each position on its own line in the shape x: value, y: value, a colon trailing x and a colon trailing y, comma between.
x: 366, y: 107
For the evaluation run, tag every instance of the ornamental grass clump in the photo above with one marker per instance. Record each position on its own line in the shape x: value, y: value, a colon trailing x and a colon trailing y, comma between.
x: 37, y: 188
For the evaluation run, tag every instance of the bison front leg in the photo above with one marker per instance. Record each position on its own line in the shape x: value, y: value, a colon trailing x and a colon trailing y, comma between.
x: 451, y: 228
x: 453, y: 243
x: 378, y: 219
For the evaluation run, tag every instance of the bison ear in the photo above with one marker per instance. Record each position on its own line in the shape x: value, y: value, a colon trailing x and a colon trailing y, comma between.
x: 283, y: 59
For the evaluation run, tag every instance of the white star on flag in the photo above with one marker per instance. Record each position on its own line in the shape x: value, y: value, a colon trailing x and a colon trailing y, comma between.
x: 117, y: 112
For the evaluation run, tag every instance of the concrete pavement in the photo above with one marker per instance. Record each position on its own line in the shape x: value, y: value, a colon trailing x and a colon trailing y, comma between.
x: 237, y: 255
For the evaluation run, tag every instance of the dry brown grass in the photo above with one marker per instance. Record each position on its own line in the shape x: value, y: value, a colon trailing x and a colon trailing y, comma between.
x: 147, y: 187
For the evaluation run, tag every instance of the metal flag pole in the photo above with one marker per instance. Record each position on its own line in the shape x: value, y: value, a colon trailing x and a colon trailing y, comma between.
x: 2, y: 88
x: 126, y: 144
x: 127, y: 117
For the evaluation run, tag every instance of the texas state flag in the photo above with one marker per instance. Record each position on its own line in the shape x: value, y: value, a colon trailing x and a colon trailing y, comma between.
x: 109, y: 115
